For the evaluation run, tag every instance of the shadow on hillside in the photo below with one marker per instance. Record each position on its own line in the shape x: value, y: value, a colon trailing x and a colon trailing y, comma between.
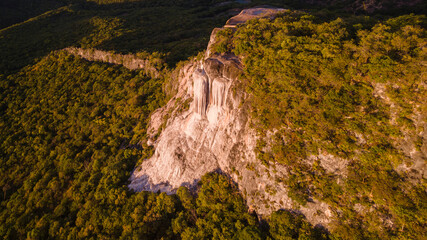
x: 21, y: 44
x: 179, y: 31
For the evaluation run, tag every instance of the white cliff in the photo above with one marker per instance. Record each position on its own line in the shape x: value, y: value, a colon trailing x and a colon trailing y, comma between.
x: 200, y: 139
x: 214, y: 134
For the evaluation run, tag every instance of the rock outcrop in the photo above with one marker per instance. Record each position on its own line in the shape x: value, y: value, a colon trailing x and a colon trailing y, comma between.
x: 128, y: 61
x: 214, y: 134
x: 251, y: 13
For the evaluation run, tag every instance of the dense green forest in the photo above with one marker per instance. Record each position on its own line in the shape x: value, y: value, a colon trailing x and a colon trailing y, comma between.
x: 70, y: 141
x: 73, y: 130
x: 70, y: 133
x: 320, y: 79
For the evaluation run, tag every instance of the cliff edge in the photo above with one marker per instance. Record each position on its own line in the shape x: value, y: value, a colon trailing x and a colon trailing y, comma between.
x: 214, y: 134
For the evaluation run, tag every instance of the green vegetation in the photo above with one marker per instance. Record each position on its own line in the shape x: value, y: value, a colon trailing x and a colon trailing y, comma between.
x: 175, y: 30
x: 218, y: 212
x: 69, y: 141
x: 288, y: 225
x: 322, y: 80
x: 389, y: 7
x: 15, y: 11
x: 73, y: 130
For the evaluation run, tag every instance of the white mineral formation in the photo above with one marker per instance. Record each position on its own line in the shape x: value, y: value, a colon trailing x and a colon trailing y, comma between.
x: 202, y: 138
x: 214, y: 134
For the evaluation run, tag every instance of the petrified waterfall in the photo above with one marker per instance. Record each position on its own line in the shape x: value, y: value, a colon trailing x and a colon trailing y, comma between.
x: 209, y: 91
x: 218, y: 93
x: 214, y: 133
x: 200, y: 139
x: 201, y: 91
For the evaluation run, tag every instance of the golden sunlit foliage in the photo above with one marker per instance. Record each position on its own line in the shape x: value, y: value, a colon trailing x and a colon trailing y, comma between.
x: 353, y: 88
x: 347, y: 87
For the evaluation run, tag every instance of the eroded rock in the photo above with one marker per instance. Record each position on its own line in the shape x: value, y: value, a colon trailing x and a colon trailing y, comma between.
x: 128, y: 61
x: 214, y: 134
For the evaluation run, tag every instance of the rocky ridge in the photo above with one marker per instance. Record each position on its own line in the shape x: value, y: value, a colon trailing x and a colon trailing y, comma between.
x: 214, y: 134
x: 128, y: 61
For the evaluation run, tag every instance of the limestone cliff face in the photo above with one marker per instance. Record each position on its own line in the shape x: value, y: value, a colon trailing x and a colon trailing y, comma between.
x: 203, y: 138
x: 214, y: 133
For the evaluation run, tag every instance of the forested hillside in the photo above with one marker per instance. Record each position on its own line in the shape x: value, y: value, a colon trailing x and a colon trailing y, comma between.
x: 72, y: 130
x: 353, y: 88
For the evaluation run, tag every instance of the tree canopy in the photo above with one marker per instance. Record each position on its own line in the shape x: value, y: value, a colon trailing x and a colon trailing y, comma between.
x: 353, y: 88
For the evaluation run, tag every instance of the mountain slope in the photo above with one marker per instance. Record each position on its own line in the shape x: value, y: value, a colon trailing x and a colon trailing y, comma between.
x: 319, y: 117
x: 336, y: 120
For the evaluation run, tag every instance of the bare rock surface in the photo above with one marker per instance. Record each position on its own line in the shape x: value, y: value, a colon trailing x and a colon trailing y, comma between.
x: 214, y: 134
x: 251, y: 13
x: 129, y: 61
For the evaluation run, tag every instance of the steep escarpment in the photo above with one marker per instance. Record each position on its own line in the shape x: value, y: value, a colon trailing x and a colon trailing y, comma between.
x: 346, y: 116
x: 214, y: 134
x: 187, y: 147
x: 330, y: 128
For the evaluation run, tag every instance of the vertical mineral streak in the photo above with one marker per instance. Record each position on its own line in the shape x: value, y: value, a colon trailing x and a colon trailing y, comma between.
x: 218, y: 93
x: 201, y: 91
